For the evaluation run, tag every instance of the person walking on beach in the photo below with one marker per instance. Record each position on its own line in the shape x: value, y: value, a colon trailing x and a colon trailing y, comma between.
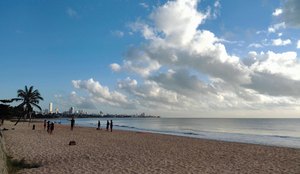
x: 111, y: 125
x: 107, y: 125
x: 48, y: 126
x: 99, y: 124
x: 72, y: 123
x: 45, y: 124
x: 51, y: 127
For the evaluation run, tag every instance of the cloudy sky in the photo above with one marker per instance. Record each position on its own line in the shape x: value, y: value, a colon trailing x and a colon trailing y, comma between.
x: 183, y: 58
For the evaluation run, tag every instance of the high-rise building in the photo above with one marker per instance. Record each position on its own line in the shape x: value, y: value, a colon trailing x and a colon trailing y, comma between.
x: 56, y: 111
x: 50, y: 108
x: 71, y: 111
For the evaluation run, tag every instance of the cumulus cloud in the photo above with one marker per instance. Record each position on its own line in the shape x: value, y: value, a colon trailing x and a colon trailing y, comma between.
x: 276, y: 27
x: 101, y: 94
x: 183, y: 67
x: 115, y: 67
x: 274, y: 85
x: 285, y: 64
x: 74, y: 100
x: 277, y: 12
x: 280, y: 42
x: 178, y: 29
x: 298, y: 44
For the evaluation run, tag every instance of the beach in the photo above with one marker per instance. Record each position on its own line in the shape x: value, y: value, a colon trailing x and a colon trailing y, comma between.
x: 100, y: 151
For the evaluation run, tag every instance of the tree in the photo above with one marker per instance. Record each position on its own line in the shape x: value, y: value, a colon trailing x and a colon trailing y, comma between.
x: 30, y: 98
x: 6, y: 110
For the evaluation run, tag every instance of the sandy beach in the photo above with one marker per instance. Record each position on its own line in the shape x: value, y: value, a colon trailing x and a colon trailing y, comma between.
x: 99, y: 151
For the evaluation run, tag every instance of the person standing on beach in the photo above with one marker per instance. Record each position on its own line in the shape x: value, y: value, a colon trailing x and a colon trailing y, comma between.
x: 111, y: 125
x: 99, y: 124
x: 51, y: 127
x: 45, y: 123
x: 72, y: 123
x: 107, y: 125
x: 48, y: 126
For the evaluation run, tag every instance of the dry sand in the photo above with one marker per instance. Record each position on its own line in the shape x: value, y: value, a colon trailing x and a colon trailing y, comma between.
x: 99, y: 151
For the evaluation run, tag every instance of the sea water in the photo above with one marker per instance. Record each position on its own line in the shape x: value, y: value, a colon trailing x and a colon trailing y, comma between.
x: 274, y: 132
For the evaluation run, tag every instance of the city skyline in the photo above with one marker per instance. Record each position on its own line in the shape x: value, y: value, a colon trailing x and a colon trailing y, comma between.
x: 184, y: 58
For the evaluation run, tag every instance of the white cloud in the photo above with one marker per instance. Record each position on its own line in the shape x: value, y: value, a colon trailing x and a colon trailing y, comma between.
x: 182, y: 67
x: 138, y: 61
x: 214, y: 12
x: 115, y: 67
x: 280, y: 42
x: 277, y: 12
x: 284, y: 64
x: 255, y: 45
x: 144, y: 5
x: 179, y: 29
x: 298, y: 44
x: 101, y: 94
x: 276, y: 27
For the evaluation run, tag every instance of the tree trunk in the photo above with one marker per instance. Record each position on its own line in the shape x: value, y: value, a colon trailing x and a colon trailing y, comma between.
x: 20, y: 116
x: 29, y: 114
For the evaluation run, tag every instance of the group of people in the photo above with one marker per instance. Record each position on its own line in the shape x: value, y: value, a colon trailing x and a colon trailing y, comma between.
x: 109, y: 125
x: 50, y: 126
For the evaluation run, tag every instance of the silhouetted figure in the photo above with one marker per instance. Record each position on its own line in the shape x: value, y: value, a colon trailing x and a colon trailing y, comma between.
x: 72, y: 123
x: 45, y: 124
x: 48, y: 126
x: 111, y: 125
x: 99, y: 124
x: 33, y: 127
x: 107, y: 125
x: 51, y: 127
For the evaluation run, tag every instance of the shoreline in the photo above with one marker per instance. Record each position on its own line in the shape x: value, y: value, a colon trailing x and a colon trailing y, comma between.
x: 277, y: 140
x: 99, y: 151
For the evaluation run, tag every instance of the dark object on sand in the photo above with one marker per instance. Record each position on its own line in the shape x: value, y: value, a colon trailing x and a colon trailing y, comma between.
x: 33, y: 127
x: 51, y: 127
x: 4, y: 129
x: 72, y: 123
x: 111, y: 125
x: 72, y: 143
x: 99, y: 125
x: 107, y: 125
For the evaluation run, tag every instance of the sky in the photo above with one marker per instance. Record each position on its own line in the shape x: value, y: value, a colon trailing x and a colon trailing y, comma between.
x: 179, y: 58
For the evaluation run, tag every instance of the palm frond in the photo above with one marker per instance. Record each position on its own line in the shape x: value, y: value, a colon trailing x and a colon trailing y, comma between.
x: 37, y: 106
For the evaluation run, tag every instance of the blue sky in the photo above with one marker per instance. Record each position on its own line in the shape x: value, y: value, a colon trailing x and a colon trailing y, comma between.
x: 170, y: 58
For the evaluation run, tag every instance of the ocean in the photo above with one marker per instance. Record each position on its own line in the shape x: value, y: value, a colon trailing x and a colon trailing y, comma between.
x: 273, y: 132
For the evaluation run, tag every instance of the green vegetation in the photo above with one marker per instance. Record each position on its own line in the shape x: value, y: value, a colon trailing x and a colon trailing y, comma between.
x: 13, y: 166
x: 30, y: 98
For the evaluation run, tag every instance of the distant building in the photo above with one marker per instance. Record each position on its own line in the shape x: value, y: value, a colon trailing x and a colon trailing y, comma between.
x: 71, y: 110
x: 46, y: 111
x: 56, y: 111
x: 50, y: 108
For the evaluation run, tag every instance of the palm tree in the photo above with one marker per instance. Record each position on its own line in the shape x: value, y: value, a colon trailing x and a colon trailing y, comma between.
x: 30, y: 98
